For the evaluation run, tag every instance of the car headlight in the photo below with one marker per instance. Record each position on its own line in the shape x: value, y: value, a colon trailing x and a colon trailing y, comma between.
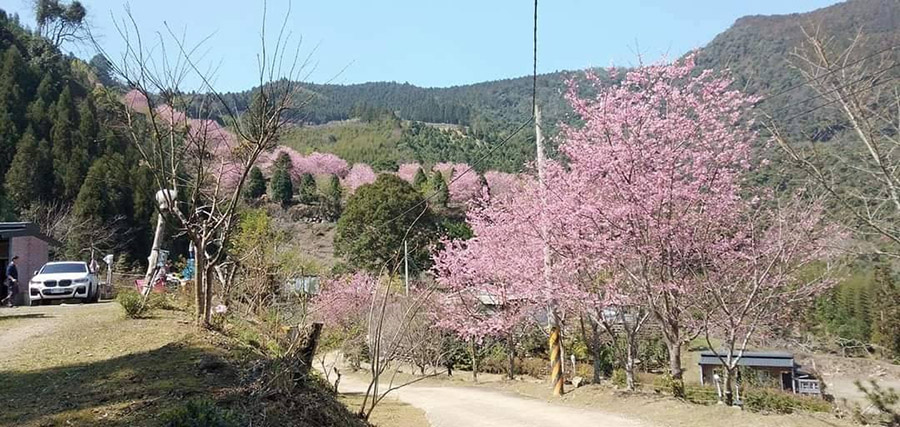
x: 81, y: 280
x: 35, y: 282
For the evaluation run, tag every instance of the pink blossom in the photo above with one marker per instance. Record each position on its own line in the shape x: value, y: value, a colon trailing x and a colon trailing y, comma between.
x: 321, y: 164
x: 344, y: 300
x: 360, y: 174
x: 501, y: 184
x: 407, y: 171
x: 135, y: 100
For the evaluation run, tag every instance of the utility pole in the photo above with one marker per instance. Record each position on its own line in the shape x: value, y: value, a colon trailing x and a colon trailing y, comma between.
x: 556, y: 363
x: 406, y: 267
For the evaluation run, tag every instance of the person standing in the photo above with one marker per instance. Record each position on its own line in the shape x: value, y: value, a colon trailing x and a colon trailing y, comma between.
x: 12, y: 281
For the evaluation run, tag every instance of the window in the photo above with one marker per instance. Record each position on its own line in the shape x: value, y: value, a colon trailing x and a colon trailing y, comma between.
x: 68, y: 267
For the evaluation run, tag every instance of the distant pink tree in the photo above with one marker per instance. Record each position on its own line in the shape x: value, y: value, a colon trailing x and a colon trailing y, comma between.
x: 655, y: 173
x: 268, y: 159
x: 360, y: 174
x: 407, y: 171
x: 445, y: 169
x: 321, y: 164
x: 345, y: 300
x: 501, y: 184
x: 135, y: 100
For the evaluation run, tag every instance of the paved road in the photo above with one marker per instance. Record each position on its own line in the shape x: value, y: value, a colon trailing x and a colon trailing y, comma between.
x: 453, y: 406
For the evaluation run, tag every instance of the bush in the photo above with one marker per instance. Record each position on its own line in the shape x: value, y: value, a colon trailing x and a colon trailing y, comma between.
x: 199, y: 413
x: 762, y: 400
x: 133, y: 304
x: 619, y: 379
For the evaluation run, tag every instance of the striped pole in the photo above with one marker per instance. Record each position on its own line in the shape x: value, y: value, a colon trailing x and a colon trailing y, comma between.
x: 556, y: 374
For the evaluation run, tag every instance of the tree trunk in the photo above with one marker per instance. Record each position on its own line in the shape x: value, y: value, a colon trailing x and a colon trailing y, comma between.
x: 207, y: 294
x: 199, y: 281
x: 474, y: 350
x: 676, y: 370
x: 597, y: 352
x: 511, y: 355
x: 728, y: 387
x: 630, y: 353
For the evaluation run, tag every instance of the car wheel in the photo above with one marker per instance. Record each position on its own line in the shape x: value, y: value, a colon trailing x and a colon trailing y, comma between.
x: 35, y: 302
x: 94, y: 297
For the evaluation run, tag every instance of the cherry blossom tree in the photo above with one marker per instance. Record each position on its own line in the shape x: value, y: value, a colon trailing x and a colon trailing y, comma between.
x: 780, y: 258
x: 655, y: 169
x: 360, y: 174
x: 407, y: 171
x: 501, y: 183
x: 321, y: 164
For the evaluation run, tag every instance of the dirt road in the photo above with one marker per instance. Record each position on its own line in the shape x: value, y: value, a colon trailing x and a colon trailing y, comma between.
x: 451, y: 406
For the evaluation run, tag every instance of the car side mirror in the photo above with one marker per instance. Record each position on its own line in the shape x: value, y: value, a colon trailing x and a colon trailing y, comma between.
x: 35, y: 273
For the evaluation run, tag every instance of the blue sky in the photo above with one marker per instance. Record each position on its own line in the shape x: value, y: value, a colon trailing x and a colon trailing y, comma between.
x: 430, y: 42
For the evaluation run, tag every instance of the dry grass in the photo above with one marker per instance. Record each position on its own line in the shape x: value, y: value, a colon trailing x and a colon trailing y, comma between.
x: 87, y: 365
x: 389, y: 412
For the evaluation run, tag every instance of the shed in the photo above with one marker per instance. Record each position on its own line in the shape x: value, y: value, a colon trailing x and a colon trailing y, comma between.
x: 32, y: 246
x: 773, y: 366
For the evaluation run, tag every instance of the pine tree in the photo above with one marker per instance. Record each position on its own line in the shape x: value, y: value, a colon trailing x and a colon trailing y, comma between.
x: 281, y: 188
x: 307, y: 189
x: 12, y: 108
x: 332, y: 197
x: 420, y: 180
x: 62, y: 138
x: 440, y: 190
x: 38, y: 112
x: 256, y: 184
x: 23, y: 185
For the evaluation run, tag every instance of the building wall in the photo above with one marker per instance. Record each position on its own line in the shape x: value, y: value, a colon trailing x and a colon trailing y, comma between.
x: 33, y: 254
x: 707, y: 371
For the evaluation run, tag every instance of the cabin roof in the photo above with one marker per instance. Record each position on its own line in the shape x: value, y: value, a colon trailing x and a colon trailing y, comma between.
x: 753, y: 358
x: 19, y: 229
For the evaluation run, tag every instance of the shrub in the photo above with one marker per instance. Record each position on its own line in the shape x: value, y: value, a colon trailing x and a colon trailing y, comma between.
x: 619, y: 379
x: 133, y: 304
x: 199, y: 413
x: 762, y: 400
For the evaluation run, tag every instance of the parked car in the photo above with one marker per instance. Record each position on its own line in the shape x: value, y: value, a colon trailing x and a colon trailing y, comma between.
x: 64, y: 280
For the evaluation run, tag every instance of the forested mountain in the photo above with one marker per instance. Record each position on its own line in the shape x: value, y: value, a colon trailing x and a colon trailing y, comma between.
x: 756, y: 49
x: 62, y: 162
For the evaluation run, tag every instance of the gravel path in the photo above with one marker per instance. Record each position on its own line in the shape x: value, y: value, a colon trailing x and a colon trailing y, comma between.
x: 452, y: 406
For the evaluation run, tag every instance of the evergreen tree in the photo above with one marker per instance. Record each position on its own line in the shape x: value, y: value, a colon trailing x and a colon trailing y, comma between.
x: 886, y: 312
x: 281, y: 188
x: 440, y: 190
x: 256, y: 184
x: 332, y: 197
x: 63, y: 139
x: 38, y: 113
x: 12, y: 108
x: 420, y: 180
x: 369, y: 232
x: 307, y: 189
x: 23, y: 184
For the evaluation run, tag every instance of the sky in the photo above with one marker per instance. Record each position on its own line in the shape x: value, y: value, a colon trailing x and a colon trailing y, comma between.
x: 432, y: 43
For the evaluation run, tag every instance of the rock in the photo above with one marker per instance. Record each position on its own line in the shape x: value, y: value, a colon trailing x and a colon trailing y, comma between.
x: 577, y: 381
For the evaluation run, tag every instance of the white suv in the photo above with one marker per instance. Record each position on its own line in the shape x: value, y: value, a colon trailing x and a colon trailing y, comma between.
x: 64, y: 280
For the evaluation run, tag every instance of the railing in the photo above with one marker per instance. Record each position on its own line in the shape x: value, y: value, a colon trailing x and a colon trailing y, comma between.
x: 808, y: 386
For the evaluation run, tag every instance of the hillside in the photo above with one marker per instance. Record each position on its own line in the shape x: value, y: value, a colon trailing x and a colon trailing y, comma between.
x: 755, y: 48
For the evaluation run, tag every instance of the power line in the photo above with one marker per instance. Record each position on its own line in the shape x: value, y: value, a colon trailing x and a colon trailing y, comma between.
x: 830, y: 72
x: 873, y: 86
x: 496, y: 146
x: 837, y: 88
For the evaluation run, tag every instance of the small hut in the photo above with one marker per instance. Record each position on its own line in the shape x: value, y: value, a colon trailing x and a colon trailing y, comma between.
x: 769, y: 367
x: 33, y: 248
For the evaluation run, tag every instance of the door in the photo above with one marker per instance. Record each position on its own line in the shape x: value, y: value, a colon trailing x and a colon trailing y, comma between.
x: 787, y: 381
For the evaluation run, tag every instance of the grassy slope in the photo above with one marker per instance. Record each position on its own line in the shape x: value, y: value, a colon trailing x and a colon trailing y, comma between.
x: 91, y: 366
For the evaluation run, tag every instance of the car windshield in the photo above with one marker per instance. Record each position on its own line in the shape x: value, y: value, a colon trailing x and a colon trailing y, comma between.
x: 70, y: 267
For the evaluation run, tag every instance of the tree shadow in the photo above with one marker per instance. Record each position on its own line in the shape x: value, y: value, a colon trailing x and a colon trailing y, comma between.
x: 26, y: 316
x: 128, y: 390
